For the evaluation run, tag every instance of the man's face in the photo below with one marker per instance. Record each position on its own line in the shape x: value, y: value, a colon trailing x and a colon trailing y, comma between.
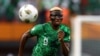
x: 56, y: 17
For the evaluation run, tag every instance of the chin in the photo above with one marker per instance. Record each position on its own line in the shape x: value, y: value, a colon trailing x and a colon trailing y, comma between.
x: 57, y: 24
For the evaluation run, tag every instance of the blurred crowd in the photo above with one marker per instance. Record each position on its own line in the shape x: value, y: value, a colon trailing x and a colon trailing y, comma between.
x: 9, y: 8
x: 9, y: 13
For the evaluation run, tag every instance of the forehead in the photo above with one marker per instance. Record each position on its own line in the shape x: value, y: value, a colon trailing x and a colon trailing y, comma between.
x: 56, y: 12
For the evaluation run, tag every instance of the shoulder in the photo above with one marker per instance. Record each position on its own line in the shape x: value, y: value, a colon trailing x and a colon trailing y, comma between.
x: 37, y: 27
x: 46, y: 24
x: 64, y: 26
x: 40, y: 26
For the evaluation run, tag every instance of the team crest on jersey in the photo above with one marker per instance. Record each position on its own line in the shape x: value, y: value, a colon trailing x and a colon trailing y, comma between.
x: 45, y: 41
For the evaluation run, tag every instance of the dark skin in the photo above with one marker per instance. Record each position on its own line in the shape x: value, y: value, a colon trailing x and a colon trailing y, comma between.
x: 55, y: 22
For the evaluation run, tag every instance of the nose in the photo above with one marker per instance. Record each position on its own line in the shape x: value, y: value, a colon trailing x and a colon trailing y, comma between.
x: 57, y: 17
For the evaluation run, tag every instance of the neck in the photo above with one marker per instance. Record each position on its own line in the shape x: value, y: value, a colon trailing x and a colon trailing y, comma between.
x: 55, y: 27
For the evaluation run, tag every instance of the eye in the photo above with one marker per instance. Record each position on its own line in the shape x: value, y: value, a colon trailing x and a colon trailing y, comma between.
x: 52, y: 16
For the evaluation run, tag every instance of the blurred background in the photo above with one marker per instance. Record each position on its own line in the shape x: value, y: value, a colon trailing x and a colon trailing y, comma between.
x: 91, y: 38
x: 11, y: 28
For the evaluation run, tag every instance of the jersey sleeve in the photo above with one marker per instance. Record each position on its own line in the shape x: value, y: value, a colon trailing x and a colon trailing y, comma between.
x: 36, y: 30
x: 67, y: 34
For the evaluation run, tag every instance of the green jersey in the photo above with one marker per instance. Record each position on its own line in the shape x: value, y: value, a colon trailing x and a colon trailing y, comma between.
x: 47, y: 40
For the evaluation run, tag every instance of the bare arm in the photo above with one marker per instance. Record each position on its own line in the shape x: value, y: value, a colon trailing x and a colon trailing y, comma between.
x: 23, y: 40
x: 64, y: 46
x: 31, y: 33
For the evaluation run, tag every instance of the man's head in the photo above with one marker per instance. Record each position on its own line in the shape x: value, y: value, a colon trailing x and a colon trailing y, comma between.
x: 56, y: 15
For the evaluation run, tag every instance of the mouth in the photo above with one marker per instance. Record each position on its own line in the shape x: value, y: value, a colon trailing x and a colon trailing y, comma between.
x: 57, y: 22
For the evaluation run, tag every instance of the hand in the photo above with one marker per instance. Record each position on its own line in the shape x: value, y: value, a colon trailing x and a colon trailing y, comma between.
x: 61, y: 34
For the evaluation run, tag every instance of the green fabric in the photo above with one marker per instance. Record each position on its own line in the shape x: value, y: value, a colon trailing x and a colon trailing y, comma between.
x: 47, y: 40
x: 92, y: 5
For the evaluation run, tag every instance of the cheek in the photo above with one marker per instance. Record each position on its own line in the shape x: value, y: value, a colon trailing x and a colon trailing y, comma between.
x: 57, y: 21
x: 52, y: 17
x: 60, y: 20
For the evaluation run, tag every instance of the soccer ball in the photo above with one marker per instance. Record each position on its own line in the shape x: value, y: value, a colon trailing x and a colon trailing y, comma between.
x: 28, y: 13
